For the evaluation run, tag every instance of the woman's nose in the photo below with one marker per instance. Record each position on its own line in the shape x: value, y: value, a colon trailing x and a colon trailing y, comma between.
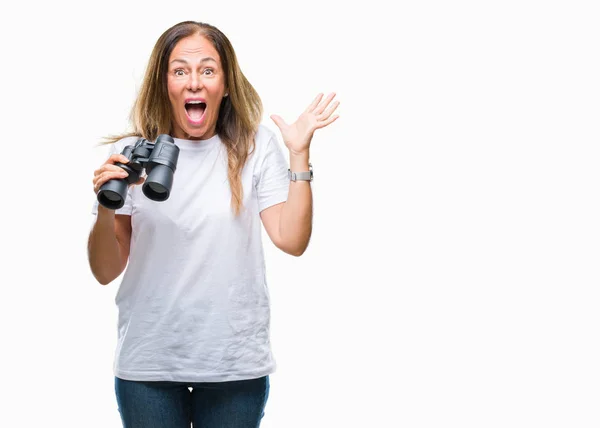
x: 194, y: 82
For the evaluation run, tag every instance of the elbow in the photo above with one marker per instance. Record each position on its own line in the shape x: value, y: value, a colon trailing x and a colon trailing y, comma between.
x: 296, y: 250
x: 292, y: 245
x: 105, y: 275
x: 103, y: 279
x: 297, y: 253
x: 106, y: 271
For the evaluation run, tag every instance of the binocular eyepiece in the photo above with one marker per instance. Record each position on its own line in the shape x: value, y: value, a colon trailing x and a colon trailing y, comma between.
x: 159, y: 159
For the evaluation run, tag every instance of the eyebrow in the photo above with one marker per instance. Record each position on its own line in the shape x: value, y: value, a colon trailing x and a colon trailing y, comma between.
x: 203, y: 60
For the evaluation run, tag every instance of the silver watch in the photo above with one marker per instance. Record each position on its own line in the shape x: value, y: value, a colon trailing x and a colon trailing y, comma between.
x: 301, y: 176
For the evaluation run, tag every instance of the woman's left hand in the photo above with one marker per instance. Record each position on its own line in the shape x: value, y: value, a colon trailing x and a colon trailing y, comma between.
x: 297, y: 136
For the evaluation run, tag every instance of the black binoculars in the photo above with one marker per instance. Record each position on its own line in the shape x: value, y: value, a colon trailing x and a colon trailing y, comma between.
x: 159, y: 159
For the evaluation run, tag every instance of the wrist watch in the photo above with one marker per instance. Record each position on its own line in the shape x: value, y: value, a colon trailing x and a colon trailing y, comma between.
x: 301, y: 176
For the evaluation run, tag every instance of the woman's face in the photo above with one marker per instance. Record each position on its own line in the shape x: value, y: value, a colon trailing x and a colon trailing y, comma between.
x: 196, y: 85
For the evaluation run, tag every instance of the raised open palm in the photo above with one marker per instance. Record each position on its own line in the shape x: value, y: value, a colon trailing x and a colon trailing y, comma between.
x: 318, y: 114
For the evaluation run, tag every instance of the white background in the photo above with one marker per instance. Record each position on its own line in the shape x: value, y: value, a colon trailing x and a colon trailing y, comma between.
x: 452, y: 277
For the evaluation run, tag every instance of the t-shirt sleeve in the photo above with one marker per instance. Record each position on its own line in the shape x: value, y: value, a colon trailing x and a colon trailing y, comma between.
x: 273, y: 183
x: 127, y: 206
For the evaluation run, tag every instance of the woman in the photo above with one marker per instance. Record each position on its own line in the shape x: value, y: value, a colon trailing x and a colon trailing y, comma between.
x: 193, y: 327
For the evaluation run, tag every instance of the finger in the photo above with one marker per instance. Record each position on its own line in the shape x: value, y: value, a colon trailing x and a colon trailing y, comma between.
x: 327, y: 122
x: 98, y: 180
x: 117, y: 158
x: 108, y: 167
x: 114, y: 158
x: 324, y: 104
x: 314, y: 104
x: 327, y: 113
x: 113, y: 168
x: 108, y: 175
x: 279, y: 121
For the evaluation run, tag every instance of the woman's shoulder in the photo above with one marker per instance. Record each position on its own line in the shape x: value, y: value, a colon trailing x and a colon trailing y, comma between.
x: 265, y: 140
x: 264, y: 135
x: 267, y: 145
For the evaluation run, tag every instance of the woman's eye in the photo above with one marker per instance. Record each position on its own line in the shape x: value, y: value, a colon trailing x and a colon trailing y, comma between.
x: 208, y: 71
x: 179, y: 72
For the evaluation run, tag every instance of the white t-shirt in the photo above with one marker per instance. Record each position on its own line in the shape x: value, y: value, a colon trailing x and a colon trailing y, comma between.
x: 193, y: 303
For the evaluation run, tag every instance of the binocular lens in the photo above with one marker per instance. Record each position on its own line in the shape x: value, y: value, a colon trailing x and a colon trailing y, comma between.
x: 155, y: 191
x: 112, y: 194
x: 158, y: 183
x: 113, y: 197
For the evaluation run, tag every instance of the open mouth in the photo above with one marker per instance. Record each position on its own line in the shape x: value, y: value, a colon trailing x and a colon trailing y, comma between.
x: 195, y: 110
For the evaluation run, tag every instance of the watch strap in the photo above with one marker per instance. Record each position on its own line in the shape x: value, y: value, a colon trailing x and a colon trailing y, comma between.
x: 302, y: 175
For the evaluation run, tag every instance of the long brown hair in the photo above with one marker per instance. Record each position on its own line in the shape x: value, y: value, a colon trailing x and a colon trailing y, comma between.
x: 240, y: 113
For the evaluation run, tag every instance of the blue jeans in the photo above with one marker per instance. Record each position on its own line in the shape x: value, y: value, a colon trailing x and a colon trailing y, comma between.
x: 162, y: 404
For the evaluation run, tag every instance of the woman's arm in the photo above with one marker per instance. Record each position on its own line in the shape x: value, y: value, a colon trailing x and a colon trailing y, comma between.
x: 289, y: 224
x: 108, y: 245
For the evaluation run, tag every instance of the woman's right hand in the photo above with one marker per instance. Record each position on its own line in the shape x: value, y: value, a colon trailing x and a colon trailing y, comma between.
x: 110, y: 171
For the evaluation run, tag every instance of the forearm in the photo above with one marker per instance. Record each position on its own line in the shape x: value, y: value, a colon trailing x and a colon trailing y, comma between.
x: 295, y: 224
x: 103, y: 248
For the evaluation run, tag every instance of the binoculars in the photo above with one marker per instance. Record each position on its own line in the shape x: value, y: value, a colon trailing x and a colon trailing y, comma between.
x: 158, y: 158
